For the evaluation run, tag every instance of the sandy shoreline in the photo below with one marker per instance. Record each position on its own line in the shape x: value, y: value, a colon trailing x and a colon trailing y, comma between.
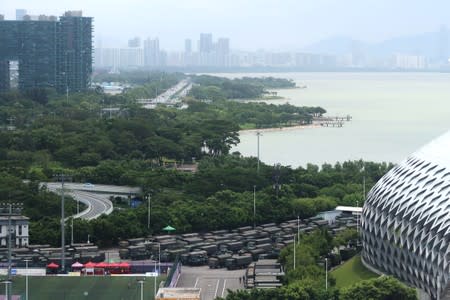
x: 280, y: 128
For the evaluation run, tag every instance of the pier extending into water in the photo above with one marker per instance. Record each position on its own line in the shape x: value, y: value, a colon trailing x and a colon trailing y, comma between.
x: 336, y: 121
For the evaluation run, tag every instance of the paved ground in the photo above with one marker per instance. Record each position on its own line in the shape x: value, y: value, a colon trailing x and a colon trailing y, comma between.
x: 213, y: 282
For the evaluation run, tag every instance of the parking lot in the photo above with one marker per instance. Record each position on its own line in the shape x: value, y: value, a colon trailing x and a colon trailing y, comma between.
x: 213, y: 282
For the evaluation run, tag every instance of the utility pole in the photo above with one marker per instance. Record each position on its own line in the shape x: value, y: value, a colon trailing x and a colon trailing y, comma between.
x: 258, y: 134
x: 298, y: 230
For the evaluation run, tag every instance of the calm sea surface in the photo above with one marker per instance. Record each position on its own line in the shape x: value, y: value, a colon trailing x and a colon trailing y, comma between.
x: 393, y: 115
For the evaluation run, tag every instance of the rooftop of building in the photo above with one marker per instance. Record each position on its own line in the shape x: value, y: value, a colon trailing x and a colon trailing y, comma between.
x: 4, y: 217
x: 42, y: 17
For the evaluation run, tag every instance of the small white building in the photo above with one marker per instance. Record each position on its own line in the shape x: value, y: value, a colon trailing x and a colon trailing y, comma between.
x: 19, y: 231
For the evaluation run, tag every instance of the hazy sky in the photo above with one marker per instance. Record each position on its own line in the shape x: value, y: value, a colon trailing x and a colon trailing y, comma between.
x: 250, y: 24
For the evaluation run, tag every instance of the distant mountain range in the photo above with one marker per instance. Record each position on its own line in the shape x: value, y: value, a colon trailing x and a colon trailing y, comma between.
x: 433, y: 45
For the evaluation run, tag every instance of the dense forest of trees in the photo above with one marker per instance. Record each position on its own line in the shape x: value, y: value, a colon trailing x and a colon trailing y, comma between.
x: 50, y: 134
x: 53, y: 134
x: 218, y: 88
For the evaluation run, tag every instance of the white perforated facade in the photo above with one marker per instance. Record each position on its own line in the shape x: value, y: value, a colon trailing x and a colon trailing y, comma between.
x: 406, y: 220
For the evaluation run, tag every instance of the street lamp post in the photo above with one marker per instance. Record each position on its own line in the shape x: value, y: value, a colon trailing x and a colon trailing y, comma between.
x: 326, y: 274
x: 141, y: 282
x: 254, y: 206
x: 6, y: 282
x: 298, y: 229
x: 149, y: 210
x: 258, y: 134
x: 26, y: 278
x: 294, y: 251
x: 63, y: 238
x: 71, y: 231
x: 154, y: 285
x: 159, y: 258
x: 9, y: 241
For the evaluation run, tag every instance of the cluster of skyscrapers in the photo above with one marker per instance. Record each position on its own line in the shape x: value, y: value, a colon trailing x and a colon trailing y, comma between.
x: 51, y: 52
x: 218, y: 55
x: 148, y: 54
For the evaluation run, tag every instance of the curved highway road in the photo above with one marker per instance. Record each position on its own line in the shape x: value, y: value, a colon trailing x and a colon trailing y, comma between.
x: 96, y: 197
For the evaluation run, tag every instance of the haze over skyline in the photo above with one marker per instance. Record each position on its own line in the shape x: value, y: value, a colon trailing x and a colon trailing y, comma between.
x: 251, y: 25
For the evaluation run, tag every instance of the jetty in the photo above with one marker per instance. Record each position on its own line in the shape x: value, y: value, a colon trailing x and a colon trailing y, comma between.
x: 336, y: 121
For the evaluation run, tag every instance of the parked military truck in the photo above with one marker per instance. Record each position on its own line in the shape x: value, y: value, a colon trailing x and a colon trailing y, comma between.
x: 238, y: 262
x: 196, y: 258
x: 218, y: 261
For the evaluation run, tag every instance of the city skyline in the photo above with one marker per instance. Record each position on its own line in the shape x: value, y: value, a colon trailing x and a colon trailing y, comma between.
x: 291, y: 25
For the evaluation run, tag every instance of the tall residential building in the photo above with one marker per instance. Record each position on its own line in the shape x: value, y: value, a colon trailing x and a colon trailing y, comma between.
x: 443, y: 45
x: 206, y: 43
x: 223, y: 46
x: 187, y: 46
x: 151, y: 52
x: 51, y: 53
x: 134, y: 42
x: 20, y: 13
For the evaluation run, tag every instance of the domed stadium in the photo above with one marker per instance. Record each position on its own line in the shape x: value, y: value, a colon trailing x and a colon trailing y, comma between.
x: 406, y: 220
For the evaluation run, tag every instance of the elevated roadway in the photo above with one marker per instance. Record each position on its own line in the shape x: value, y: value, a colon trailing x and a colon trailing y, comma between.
x: 96, y: 197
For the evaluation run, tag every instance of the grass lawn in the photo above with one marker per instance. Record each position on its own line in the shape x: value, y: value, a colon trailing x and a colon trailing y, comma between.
x: 351, y: 271
x: 76, y: 288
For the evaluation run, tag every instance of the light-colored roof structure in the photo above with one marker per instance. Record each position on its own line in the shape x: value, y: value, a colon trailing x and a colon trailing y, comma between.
x: 178, y: 294
x: 352, y: 209
x: 406, y: 219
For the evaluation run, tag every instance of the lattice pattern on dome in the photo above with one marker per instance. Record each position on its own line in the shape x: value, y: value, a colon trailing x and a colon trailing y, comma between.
x: 406, y: 219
